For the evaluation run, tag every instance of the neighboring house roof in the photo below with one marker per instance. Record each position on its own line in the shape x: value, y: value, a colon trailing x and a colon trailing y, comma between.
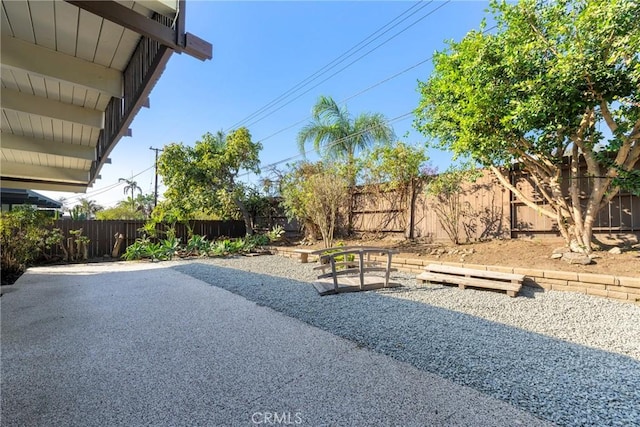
x: 12, y: 196
x: 74, y: 75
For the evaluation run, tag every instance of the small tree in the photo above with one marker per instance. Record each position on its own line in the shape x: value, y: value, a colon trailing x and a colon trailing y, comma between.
x: 446, y: 191
x: 314, y: 193
x: 204, y: 177
x: 295, y: 197
x: 339, y: 137
x: 326, y: 194
x: 396, y: 170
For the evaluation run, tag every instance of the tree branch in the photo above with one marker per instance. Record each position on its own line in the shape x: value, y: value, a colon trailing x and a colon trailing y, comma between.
x: 543, y: 38
x: 574, y: 189
x: 541, y: 163
x: 521, y: 196
x: 608, y: 117
x: 627, y: 152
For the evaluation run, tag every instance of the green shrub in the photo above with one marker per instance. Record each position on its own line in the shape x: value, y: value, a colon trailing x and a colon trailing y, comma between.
x: 340, y: 258
x: 276, y: 233
x: 198, y: 245
x: 167, y: 248
x: 135, y: 251
x: 23, y: 235
x: 170, y: 246
x: 257, y: 240
x: 156, y: 252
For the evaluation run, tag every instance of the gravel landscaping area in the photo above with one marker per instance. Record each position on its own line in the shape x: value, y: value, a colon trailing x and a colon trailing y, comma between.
x: 568, y: 358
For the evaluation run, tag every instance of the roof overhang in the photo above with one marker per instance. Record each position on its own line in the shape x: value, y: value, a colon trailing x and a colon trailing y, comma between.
x: 74, y: 75
x: 12, y: 197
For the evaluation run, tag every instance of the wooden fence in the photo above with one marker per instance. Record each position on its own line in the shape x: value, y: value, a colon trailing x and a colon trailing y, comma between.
x: 491, y: 211
x: 103, y: 234
x: 618, y: 220
x: 486, y: 212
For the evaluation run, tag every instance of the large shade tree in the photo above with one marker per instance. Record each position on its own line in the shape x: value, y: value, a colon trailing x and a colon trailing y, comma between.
x: 205, y: 177
x: 557, y: 83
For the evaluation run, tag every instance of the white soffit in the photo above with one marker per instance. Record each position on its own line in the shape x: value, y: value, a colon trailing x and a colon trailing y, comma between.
x: 62, y: 67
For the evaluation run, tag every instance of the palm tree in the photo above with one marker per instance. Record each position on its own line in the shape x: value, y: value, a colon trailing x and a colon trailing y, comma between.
x: 88, y: 207
x: 337, y: 135
x: 131, y: 186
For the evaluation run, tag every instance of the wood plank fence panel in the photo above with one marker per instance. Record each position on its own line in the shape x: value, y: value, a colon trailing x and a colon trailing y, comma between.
x: 103, y: 234
x: 492, y: 211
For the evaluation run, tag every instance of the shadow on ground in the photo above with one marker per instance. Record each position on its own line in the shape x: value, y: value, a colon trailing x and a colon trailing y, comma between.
x: 562, y: 382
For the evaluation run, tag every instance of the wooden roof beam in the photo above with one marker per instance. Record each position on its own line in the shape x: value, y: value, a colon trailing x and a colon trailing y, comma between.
x: 45, y: 173
x: 163, y: 7
x: 30, y: 104
x: 128, y: 18
x: 24, y: 143
x: 18, y: 54
x: 32, y: 184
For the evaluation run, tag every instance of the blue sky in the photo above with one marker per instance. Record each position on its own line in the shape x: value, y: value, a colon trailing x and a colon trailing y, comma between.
x: 263, y: 49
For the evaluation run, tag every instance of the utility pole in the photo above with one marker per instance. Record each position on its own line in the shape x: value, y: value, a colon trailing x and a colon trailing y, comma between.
x: 155, y: 194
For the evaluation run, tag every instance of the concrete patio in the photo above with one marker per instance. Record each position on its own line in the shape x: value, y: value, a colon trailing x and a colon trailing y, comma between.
x: 142, y: 344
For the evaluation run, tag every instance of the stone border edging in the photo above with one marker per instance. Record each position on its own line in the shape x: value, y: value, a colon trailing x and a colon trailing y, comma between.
x: 619, y: 288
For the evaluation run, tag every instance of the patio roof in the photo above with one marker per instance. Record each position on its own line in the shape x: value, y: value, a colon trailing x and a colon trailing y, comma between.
x: 74, y: 75
x: 12, y: 196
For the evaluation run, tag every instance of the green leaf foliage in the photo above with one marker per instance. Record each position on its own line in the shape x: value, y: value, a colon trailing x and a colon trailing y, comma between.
x: 527, y: 87
x: 23, y: 234
x: 314, y: 194
x: 555, y: 79
x: 393, y: 165
x: 203, y: 178
x: 123, y: 211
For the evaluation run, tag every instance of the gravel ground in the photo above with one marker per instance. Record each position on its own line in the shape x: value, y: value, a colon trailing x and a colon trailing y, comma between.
x: 568, y: 358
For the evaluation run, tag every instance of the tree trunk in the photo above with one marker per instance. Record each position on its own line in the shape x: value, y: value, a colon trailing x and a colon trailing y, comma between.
x: 351, y: 172
x: 411, y: 211
x: 245, y: 216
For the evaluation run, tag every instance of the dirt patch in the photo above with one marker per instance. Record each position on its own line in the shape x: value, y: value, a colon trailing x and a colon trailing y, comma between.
x: 524, y: 253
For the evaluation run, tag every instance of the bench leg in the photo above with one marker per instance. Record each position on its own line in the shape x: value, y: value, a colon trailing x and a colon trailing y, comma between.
x: 512, y: 294
x: 304, y: 258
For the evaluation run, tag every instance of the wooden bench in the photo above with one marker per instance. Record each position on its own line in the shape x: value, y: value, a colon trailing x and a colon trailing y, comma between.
x: 303, y: 254
x: 463, y: 277
x: 347, y: 275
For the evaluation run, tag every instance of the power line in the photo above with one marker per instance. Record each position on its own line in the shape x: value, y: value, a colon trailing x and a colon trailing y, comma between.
x: 345, y: 67
x: 267, y: 114
x: 104, y: 189
x: 331, y: 64
x: 373, y: 86
x: 333, y: 143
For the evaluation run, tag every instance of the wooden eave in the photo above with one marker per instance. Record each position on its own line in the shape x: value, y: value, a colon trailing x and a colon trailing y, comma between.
x: 74, y: 76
